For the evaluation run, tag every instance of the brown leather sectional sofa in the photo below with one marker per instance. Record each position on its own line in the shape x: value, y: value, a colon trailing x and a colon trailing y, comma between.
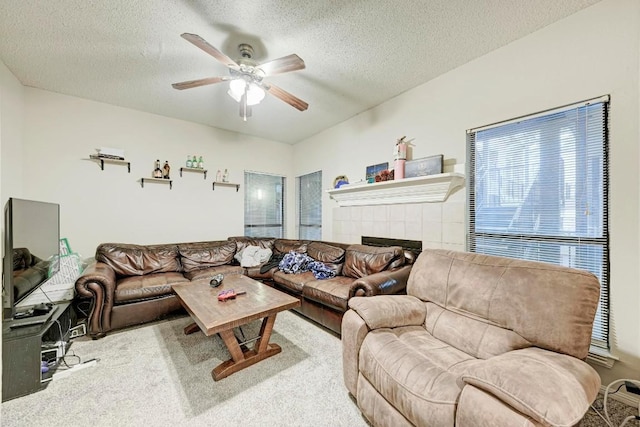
x: 131, y: 284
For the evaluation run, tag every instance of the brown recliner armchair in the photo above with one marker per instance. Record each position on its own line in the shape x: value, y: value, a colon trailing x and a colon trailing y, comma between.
x: 477, y: 341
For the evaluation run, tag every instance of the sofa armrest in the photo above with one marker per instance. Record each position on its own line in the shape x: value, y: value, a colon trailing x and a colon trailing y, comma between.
x: 98, y: 282
x: 383, y: 283
x: 553, y: 388
x: 389, y: 311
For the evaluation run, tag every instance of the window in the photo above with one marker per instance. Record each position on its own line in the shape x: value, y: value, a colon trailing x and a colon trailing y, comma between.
x: 538, y: 191
x: 310, y: 206
x: 263, y: 205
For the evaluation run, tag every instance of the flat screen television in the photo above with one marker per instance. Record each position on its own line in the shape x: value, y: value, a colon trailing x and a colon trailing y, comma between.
x: 31, y: 243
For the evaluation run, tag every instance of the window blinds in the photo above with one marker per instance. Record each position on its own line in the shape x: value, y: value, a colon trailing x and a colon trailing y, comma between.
x: 310, y: 206
x: 538, y: 190
x: 263, y: 205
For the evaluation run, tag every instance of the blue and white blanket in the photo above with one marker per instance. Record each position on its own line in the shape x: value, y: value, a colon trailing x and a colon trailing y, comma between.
x: 295, y: 262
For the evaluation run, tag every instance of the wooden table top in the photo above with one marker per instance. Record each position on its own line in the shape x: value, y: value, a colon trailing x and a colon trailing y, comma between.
x: 213, y: 316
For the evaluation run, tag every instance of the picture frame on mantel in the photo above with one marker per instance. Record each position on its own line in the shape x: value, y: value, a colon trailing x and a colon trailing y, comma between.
x: 431, y: 165
x: 373, y: 170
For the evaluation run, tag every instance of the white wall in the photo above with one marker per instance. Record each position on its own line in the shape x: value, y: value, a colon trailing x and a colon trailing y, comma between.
x: 99, y: 206
x: 591, y: 53
x: 11, y: 112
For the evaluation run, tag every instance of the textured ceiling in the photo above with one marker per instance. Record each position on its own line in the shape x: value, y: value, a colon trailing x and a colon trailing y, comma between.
x: 358, y: 53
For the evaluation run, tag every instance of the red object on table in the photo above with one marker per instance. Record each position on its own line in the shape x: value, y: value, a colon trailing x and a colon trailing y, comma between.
x: 229, y: 294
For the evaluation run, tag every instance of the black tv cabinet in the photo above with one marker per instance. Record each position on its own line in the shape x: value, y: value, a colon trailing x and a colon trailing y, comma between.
x: 23, y: 349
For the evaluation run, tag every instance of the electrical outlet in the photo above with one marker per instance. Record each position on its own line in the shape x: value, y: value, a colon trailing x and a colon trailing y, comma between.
x: 632, y: 387
x: 78, y: 331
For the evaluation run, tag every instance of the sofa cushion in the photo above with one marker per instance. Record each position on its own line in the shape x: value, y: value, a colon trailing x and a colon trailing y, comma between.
x: 415, y: 372
x: 529, y: 298
x: 554, y: 389
x: 333, y: 292
x: 137, y: 260
x: 244, y: 241
x: 284, y: 246
x: 292, y: 282
x: 472, y: 335
x: 208, y: 273
x: 196, y: 256
x: 363, y: 260
x: 331, y: 256
x: 153, y: 285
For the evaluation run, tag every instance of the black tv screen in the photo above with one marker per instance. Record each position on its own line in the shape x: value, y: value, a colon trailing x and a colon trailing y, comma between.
x: 31, y: 243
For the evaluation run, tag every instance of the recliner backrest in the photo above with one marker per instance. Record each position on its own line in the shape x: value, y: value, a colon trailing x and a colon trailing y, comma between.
x: 535, y: 303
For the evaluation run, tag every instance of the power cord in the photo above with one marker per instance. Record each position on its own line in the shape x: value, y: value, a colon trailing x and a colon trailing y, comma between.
x: 606, y: 417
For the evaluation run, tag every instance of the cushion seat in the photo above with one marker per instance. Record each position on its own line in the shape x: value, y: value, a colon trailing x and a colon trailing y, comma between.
x: 293, y: 282
x: 333, y: 292
x: 208, y: 273
x: 148, y: 286
x: 415, y: 372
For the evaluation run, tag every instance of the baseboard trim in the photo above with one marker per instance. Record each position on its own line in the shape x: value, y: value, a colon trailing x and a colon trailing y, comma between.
x: 622, y: 396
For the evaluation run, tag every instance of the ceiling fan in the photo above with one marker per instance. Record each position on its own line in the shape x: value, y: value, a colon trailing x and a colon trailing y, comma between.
x: 246, y: 77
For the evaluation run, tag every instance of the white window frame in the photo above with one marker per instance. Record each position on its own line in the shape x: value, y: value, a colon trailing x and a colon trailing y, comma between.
x: 264, y: 205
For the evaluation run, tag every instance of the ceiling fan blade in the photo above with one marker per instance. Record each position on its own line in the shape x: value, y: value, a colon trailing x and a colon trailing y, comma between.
x: 200, y: 82
x: 204, y: 45
x: 286, y: 97
x: 282, y: 65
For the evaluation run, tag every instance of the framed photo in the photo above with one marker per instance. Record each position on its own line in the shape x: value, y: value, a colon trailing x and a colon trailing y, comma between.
x: 373, y: 170
x: 431, y: 165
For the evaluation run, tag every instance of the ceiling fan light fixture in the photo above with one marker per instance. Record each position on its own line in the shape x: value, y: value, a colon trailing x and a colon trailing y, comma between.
x: 237, y: 88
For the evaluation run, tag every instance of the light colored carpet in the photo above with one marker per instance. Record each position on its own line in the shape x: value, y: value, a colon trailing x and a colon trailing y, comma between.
x: 155, y: 375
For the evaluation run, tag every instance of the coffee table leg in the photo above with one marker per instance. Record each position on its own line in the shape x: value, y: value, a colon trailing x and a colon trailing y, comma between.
x: 191, y: 328
x: 239, y: 359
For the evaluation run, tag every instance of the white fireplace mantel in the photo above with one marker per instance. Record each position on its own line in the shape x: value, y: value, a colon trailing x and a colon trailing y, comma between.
x: 430, y: 188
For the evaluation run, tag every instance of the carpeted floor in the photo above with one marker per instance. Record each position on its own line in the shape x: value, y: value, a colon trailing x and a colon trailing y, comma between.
x: 156, y: 375
x: 617, y: 412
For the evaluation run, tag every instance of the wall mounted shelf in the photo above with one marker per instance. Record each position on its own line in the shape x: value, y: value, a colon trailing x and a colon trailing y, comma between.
x: 165, y: 181
x: 430, y: 188
x: 102, y: 160
x: 226, y: 184
x: 204, y: 171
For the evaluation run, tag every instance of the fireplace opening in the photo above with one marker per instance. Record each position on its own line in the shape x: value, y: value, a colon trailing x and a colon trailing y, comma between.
x: 414, y: 246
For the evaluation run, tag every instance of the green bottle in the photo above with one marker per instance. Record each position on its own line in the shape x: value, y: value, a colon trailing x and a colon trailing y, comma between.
x: 201, y: 163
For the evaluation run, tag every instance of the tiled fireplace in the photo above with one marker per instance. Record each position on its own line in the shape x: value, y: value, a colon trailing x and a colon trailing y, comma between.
x: 436, y: 224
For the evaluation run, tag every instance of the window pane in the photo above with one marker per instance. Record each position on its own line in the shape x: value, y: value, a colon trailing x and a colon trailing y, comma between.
x: 263, y: 205
x: 538, y: 192
x: 542, y: 176
x: 310, y: 206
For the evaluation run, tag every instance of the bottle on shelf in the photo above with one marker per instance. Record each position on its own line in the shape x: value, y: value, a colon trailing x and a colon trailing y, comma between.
x: 200, y: 163
x: 166, y: 169
x: 189, y: 164
x: 157, y: 172
x: 218, y: 176
x: 225, y: 176
x: 194, y: 162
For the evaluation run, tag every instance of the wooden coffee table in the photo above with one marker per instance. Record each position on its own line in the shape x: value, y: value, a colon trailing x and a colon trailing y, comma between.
x: 212, y: 316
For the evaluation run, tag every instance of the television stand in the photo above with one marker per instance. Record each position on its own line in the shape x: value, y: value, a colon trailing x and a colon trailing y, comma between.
x: 25, y: 342
x: 30, y: 320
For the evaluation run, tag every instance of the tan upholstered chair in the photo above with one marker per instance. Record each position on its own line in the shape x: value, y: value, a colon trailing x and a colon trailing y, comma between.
x: 477, y: 341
